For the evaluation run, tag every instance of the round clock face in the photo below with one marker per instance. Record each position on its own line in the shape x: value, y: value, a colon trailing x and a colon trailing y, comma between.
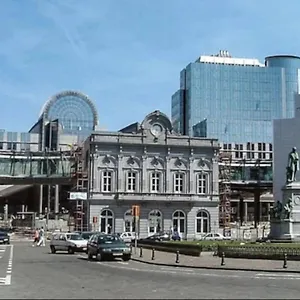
x: 156, y: 130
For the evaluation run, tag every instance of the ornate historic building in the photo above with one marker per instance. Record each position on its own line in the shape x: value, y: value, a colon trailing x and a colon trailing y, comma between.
x: 174, y: 179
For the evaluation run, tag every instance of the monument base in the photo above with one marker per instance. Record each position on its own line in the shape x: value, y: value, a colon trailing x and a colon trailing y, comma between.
x: 284, y: 230
x: 288, y: 228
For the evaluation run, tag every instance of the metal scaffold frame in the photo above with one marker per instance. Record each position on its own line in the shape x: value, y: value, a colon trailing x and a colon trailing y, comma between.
x: 81, y: 186
x: 225, y: 160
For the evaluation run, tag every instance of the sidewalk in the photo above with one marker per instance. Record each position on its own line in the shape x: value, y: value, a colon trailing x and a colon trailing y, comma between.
x: 208, y: 261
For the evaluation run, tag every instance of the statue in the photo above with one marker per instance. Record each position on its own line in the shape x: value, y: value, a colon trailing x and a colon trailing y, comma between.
x: 276, y: 211
x: 288, y: 208
x: 293, y: 165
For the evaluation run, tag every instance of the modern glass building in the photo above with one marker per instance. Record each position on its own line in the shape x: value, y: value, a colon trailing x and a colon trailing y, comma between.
x: 235, y: 99
x: 74, y: 110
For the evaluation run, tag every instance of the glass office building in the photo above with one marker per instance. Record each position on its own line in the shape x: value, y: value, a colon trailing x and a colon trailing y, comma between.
x: 235, y: 99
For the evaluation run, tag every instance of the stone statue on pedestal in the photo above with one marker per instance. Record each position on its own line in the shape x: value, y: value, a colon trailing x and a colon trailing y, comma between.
x: 287, y: 208
x: 292, y: 166
x: 276, y: 210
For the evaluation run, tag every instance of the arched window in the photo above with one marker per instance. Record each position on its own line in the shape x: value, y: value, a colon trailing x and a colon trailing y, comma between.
x: 155, y: 221
x: 202, y: 221
x: 179, y: 221
x: 106, y: 221
x: 129, y: 224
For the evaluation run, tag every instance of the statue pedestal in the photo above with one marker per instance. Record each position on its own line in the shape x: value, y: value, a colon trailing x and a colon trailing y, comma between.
x: 286, y: 227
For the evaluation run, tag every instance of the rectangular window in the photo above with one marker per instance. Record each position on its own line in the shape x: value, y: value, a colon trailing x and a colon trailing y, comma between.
x: 155, y: 182
x: 131, y: 182
x: 202, y: 183
x: 25, y: 141
x: 1, y: 138
x: 12, y: 140
x: 178, y: 182
x: 106, y: 181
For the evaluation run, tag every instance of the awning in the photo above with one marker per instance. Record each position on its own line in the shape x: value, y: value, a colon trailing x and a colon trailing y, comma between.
x: 7, y: 190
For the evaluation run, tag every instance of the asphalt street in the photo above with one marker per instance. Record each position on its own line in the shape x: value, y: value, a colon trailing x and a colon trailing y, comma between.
x: 27, y: 272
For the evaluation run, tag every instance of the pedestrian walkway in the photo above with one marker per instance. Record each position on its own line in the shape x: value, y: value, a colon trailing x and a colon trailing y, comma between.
x: 208, y: 261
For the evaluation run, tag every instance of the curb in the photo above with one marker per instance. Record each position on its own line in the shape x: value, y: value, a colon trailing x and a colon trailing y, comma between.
x: 216, y: 268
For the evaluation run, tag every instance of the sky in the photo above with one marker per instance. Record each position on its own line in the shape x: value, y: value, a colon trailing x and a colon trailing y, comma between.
x: 126, y: 55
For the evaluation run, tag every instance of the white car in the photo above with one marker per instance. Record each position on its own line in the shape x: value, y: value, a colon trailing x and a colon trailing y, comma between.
x: 70, y: 242
x: 127, y: 237
x: 215, y: 237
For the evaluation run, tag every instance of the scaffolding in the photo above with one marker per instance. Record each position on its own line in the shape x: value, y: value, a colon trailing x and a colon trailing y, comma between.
x: 225, y: 160
x: 81, y: 186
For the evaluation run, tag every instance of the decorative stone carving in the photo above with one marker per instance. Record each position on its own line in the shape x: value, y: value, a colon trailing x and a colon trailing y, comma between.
x: 109, y: 161
x: 204, y: 164
x: 276, y: 211
x: 297, y: 200
x: 157, y: 162
x: 133, y: 162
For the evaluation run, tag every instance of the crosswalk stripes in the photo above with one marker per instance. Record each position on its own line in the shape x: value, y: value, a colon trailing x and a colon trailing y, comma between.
x: 2, y: 281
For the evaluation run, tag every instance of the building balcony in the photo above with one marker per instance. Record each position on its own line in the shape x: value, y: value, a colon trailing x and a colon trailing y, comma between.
x: 167, y: 197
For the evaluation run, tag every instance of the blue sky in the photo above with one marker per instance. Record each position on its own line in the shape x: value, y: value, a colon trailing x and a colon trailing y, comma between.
x: 126, y: 55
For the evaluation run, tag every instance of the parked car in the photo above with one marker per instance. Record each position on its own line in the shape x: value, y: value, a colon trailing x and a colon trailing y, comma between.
x: 4, y: 237
x: 71, y: 242
x: 127, y: 237
x: 104, y: 246
x: 215, y: 237
x: 86, y: 235
x: 159, y: 236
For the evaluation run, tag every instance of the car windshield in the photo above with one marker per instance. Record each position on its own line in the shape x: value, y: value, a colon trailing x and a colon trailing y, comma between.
x: 86, y: 235
x: 74, y: 237
x: 109, y: 239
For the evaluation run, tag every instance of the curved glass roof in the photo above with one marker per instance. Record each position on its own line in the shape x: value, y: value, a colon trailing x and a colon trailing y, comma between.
x: 75, y: 112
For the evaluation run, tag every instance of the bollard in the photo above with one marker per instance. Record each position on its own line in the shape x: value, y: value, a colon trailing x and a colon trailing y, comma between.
x: 130, y: 248
x: 141, y: 251
x: 177, y: 257
x: 285, y: 261
x: 153, y: 254
x: 223, y: 259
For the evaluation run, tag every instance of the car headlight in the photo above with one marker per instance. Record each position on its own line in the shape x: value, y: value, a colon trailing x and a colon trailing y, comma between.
x: 73, y: 245
x: 126, y: 250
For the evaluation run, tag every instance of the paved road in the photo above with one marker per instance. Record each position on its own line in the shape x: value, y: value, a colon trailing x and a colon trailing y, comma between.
x: 35, y: 273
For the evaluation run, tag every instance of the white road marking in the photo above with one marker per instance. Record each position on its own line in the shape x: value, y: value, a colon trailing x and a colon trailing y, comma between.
x: 9, y: 267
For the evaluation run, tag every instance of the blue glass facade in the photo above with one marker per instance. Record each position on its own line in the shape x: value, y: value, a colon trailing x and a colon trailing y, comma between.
x: 235, y: 103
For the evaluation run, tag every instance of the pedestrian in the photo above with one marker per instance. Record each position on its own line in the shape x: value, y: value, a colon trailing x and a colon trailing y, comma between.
x: 36, y: 237
x: 41, y: 237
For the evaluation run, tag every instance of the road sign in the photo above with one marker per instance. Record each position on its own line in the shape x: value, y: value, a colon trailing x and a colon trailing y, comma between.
x: 77, y: 196
x: 135, y: 210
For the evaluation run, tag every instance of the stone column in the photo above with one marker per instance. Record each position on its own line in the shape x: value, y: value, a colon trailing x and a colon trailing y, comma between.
x: 56, y: 201
x: 168, y: 175
x: 191, y: 186
x: 144, y: 181
x: 120, y: 173
x: 261, y: 211
x: 41, y: 200
x: 268, y: 211
x: 23, y: 210
x: 245, y: 211
x: 238, y: 215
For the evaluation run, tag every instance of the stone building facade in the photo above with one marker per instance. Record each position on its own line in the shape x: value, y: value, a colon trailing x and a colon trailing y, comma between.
x: 173, y: 178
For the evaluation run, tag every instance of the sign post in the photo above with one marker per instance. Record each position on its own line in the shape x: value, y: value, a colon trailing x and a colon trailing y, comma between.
x: 135, y: 211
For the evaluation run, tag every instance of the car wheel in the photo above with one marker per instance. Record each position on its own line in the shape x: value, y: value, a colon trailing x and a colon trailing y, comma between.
x: 70, y: 250
x: 90, y: 255
x: 53, y: 250
x: 126, y: 257
x: 99, y: 256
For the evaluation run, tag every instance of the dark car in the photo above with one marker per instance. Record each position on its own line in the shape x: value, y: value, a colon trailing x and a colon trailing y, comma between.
x: 4, y: 238
x: 107, y: 246
x: 160, y: 236
x: 86, y: 235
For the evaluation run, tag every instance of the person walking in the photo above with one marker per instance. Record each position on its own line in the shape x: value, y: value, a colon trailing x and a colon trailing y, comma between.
x: 36, y: 237
x: 42, y: 238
